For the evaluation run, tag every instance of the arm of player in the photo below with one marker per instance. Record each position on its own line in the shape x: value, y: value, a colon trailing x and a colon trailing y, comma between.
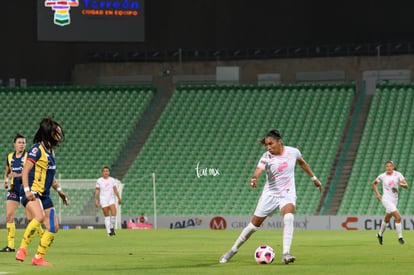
x: 97, y: 197
x: 6, y: 177
x: 62, y: 195
x: 255, y: 177
x: 305, y: 166
x: 117, y: 195
x: 375, y: 188
x: 25, y: 180
x: 403, y: 184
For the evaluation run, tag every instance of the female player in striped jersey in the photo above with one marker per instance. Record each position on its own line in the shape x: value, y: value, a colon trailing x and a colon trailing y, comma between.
x: 391, y: 179
x: 13, y: 182
x: 37, y: 179
x: 279, y: 191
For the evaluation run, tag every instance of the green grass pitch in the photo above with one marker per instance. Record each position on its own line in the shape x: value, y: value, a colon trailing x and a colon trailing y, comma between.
x: 189, y: 251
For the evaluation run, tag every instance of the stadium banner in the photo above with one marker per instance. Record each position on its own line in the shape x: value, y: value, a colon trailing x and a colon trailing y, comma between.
x: 235, y: 222
x: 276, y: 222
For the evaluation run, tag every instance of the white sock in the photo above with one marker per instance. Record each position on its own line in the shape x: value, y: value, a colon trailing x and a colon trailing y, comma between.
x: 399, y: 230
x: 244, y: 236
x: 287, y: 232
x: 107, y: 224
x: 113, y: 221
x: 382, y: 228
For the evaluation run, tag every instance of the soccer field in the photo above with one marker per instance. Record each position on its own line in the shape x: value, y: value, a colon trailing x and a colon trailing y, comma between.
x: 197, y: 252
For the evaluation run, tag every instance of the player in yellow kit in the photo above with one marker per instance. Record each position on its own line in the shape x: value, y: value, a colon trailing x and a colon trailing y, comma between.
x: 13, y: 183
x: 37, y: 179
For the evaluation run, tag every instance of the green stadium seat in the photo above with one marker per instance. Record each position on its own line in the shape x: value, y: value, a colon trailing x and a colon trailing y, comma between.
x: 88, y: 114
x: 376, y: 148
x: 225, y: 135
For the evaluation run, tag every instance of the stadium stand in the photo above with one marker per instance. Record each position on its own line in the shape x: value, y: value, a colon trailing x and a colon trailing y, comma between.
x: 97, y: 121
x: 213, y: 131
x: 204, y: 145
x: 388, y: 135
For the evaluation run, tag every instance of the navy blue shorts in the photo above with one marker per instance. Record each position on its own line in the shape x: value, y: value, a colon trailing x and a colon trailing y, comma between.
x: 46, y: 201
x: 13, y: 196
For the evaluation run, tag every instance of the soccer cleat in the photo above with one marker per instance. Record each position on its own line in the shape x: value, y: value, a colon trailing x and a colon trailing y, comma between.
x: 379, y: 237
x: 112, y: 232
x: 401, y: 241
x: 8, y: 249
x: 21, y: 254
x: 287, y: 258
x: 40, y: 261
x: 227, y: 256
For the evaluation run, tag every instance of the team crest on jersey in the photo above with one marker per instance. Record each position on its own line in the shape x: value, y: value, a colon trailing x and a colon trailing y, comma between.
x: 34, y: 151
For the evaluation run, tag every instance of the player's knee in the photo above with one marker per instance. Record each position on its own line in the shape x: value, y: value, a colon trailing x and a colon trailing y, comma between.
x: 397, y: 218
x: 288, y: 218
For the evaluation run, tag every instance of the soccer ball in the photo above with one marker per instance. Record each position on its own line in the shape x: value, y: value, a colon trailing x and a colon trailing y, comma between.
x: 264, y: 254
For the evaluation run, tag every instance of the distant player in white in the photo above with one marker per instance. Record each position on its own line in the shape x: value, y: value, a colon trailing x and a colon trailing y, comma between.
x: 391, y: 179
x: 105, y: 192
x: 279, y: 191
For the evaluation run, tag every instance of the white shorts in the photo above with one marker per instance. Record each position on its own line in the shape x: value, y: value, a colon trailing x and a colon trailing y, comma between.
x: 390, y: 205
x: 105, y: 202
x: 268, y: 204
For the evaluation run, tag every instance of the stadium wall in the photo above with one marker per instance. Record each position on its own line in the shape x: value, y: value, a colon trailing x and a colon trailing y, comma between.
x: 214, y: 24
x: 353, y: 68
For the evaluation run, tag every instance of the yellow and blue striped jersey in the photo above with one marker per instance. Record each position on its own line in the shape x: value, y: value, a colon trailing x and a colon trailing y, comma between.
x: 16, y: 165
x: 43, y: 172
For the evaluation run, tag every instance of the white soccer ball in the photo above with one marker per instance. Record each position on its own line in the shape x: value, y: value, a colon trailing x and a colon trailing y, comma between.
x: 264, y: 254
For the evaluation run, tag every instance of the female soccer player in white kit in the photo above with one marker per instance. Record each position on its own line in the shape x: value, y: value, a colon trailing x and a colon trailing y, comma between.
x: 279, y: 191
x: 391, y: 179
x: 106, y: 188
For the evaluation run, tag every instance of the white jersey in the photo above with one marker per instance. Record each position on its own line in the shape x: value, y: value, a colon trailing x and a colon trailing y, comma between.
x: 390, y: 184
x: 280, y: 171
x: 106, y: 191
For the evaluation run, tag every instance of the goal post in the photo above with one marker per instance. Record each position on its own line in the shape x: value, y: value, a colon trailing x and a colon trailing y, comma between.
x: 118, y: 222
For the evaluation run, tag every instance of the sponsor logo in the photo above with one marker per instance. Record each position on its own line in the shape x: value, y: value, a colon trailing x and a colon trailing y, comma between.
x: 282, y: 167
x: 61, y: 9
x: 218, y: 223
x: 190, y: 223
x: 347, y: 224
x: 12, y: 195
x: 375, y: 224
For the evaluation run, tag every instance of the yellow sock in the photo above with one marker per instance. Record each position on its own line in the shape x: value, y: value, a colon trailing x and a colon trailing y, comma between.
x: 45, y: 243
x: 11, y: 231
x: 40, y: 231
x: 29, y: 233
